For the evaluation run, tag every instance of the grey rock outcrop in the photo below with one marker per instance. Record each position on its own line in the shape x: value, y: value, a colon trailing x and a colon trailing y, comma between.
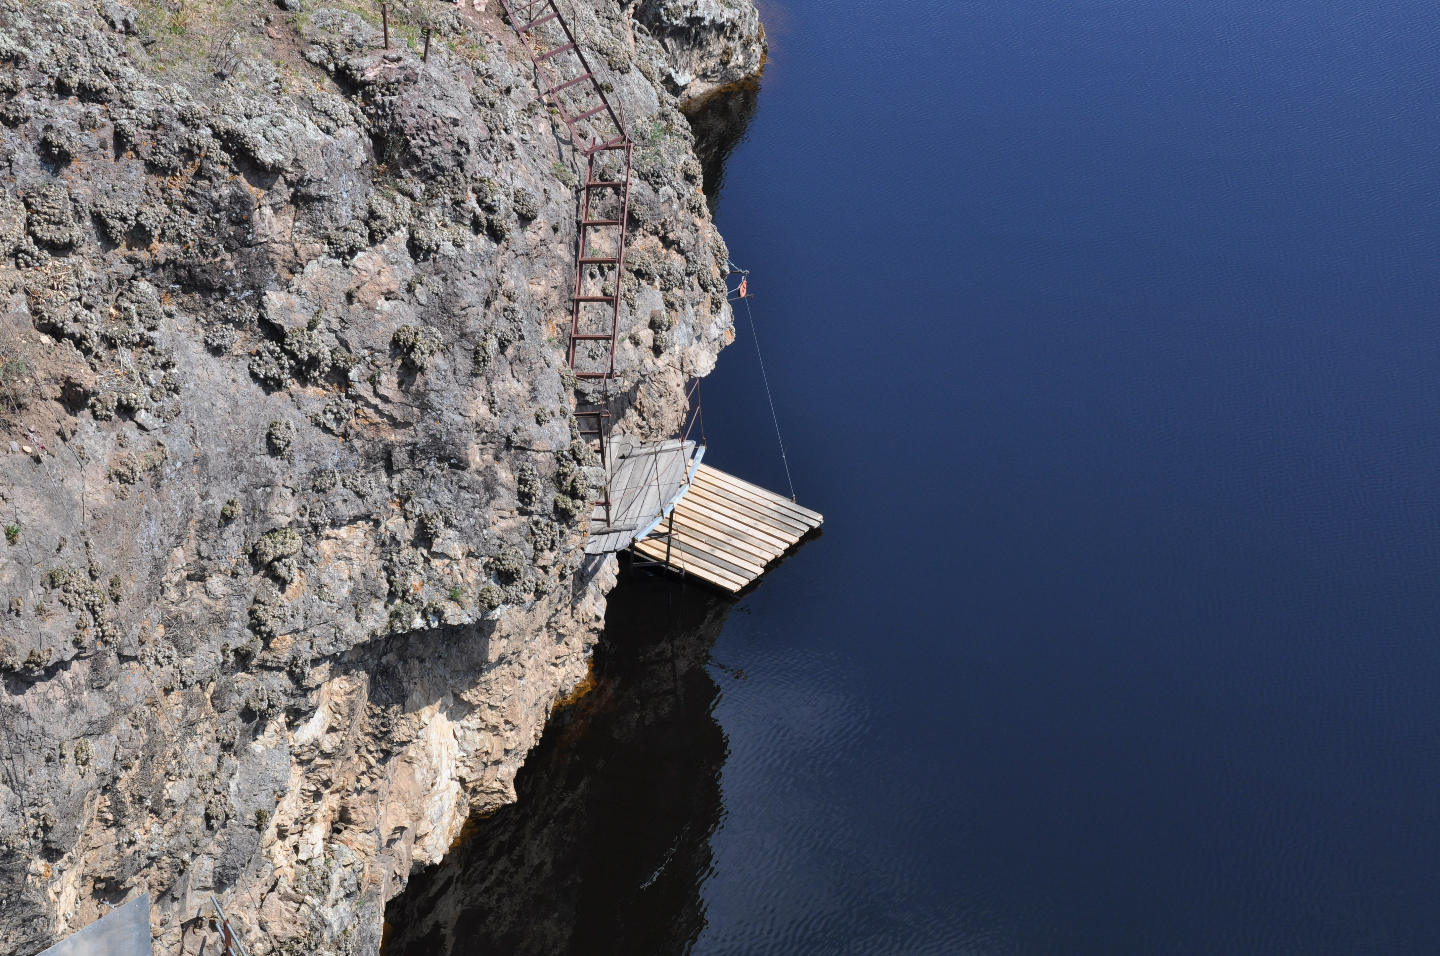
x: 709, y: 44
x: 292, y: 488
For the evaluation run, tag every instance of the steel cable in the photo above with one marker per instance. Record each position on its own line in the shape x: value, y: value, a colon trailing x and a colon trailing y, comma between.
x: 768, y: 397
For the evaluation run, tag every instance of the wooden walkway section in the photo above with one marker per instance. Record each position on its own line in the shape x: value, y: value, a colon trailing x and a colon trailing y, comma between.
x: 645, y: 482
x: 727, y: 531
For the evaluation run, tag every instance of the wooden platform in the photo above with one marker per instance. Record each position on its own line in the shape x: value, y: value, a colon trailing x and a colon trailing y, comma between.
x: 728, y: 531
x: 645, y: 482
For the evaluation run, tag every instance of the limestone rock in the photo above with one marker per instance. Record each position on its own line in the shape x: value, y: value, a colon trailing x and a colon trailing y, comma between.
x: 709, y: 44
x: 289, y: 590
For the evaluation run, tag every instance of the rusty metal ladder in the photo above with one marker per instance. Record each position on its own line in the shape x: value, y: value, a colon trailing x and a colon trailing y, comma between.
x: 576, y: 96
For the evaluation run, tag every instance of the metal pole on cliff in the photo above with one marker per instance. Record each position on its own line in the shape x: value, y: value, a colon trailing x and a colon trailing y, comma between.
x: 425, y: 58
x: 385, y: 22
x: 228, y: 939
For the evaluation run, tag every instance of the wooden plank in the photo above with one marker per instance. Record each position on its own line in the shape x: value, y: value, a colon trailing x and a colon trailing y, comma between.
x: 747, y: 562
x: 678, y: 562
x: 774, y: 512
x: 702, y: 574
x: 726, y: 538
x: 812, y: 518
x: 702, y: 553
x: 644, y: 480
x: 764, y: 494
x: 734, y: 570
x: 679, y: 558
x: 644, y: 474
x: 765, y: 505
x: 694, y: 554
x: 734, y: 521
x: 770, y: 513
x: 727, y: 531
x: 750, y: 512
x: 756, y: 534
x: 721, y: 513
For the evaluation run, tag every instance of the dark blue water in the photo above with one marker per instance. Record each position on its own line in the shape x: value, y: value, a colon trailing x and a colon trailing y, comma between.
x: 1106, y: 336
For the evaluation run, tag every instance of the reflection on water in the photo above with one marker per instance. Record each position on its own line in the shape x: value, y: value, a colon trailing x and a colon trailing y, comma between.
x: 720, y: 122
x: 606, y: 848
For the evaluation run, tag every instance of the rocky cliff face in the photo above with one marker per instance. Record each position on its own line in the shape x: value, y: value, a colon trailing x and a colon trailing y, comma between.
x: 608, y: 846
x: 709, y: 44
x: 292, y: 489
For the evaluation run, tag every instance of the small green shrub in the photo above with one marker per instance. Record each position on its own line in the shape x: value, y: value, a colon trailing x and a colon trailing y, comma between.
x: 12, y: 533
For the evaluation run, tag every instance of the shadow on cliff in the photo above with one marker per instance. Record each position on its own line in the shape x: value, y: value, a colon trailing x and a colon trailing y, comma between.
x: 607, y: 846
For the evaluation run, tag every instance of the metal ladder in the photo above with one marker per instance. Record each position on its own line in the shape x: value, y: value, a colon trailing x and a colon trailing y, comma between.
x: 574, y: 93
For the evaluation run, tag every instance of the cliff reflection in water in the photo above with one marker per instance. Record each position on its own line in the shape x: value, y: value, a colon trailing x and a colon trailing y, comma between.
x: 720, y: 122
x: 608, y: 844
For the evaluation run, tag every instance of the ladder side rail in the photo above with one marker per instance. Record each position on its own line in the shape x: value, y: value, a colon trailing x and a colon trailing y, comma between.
x: 620, y: 253
x: 602, y: 432
x: 529, y: 8
x: 576, y: 305
x: 553, y: 88
x: 537, y: 59
x: 534, y: 16
x: 585, y: 68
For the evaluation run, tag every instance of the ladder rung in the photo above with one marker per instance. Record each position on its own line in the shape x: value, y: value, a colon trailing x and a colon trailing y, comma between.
x: 535, y: 23
x: 600, y: 222
x: 592, y: 375
x: 591, y: 337
x: 611, y: 260
x: 555, y: 52
x: 616, y: 143
x: 584, y: 116
x: 595, y: 298
x: 605, y: 184
x: 565, y: 86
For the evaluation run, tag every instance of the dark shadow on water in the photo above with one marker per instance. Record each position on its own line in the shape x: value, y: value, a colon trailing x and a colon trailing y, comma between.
x: 720, y: 122
x: 606, y: 848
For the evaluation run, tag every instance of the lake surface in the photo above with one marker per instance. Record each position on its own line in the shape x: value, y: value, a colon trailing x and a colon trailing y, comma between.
x: 1106, y: 336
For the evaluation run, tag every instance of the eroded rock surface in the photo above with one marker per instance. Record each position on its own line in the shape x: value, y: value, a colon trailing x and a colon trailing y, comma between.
x: 292, y: 488
x: 709, y: 44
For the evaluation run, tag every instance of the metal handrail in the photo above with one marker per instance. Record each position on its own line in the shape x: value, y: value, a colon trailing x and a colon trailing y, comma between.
x: 233, y: 945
